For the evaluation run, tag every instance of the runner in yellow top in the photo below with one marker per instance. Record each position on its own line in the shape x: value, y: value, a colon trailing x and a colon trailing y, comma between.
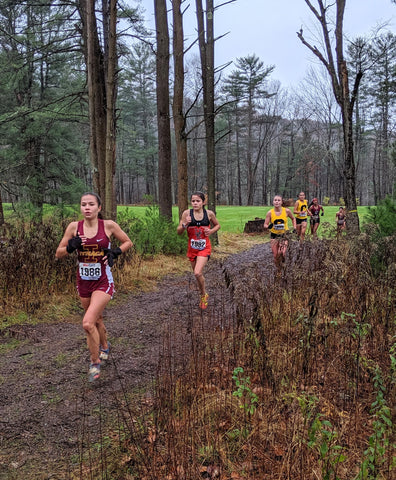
x: 301, y: 212
x: 276, y: 221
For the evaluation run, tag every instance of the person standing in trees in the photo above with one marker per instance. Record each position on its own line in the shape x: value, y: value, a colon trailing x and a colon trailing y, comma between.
x: 314, y: 209
x: 301, y: 212
x: 277, y: 221
x: 91, y: 238
x: 199, y: 224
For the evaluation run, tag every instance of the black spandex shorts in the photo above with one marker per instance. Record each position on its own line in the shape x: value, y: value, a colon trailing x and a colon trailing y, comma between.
x: 277, y: 236
x: 299, y: 221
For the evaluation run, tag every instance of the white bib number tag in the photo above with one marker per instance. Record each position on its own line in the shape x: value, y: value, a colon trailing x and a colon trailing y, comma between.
x: 198, y: 244
x: 90, y: 271
x: 303, y: 213
x: 279, y: 226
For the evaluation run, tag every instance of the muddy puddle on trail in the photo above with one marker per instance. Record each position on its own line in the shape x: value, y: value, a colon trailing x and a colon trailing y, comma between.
x: 50, y: 416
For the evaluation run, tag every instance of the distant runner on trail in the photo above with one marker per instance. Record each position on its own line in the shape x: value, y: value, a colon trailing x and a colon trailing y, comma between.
x: 276, y: 221
x: 199, y: 223
x: 95, y: 286
x: 301, y: 212
x: 315, y: 210
x: 341, y: 220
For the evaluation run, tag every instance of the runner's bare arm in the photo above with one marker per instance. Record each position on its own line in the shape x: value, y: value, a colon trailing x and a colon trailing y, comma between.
x: 114, y: 229
x: 184, y: 222
x: 214, y: 222
x: 292, y: 218
x: 267, y: 219
x: 70, y: 232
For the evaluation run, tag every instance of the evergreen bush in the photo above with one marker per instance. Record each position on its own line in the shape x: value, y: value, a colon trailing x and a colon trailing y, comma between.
x: 383, y: 216
x: 152, y: 234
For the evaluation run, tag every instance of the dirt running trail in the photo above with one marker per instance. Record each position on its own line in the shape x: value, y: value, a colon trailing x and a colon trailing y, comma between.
x: 48, y: 410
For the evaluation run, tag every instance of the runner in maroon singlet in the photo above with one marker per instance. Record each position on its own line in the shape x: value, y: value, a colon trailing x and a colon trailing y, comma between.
x: 315, y: 210
x: 341, y: 220
x: 199, y: 223
x: 95, y: 286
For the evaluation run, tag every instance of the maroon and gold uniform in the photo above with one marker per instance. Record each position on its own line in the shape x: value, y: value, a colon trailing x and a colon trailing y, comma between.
x: 92, y: 272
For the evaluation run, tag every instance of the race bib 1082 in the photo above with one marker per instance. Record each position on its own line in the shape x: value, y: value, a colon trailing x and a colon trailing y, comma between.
x: 198, y: 244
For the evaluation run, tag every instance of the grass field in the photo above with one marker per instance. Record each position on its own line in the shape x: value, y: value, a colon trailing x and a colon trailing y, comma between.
x: 231, y: 218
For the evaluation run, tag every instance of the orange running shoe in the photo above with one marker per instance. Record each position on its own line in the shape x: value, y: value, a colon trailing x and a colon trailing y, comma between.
x: 203, y: 304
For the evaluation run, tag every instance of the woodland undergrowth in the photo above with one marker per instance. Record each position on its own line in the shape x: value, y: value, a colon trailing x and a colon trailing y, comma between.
x: 299, y: 384
x: 31, y: 277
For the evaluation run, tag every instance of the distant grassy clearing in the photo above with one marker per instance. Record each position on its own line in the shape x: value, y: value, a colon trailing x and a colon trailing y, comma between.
x: 232, y: 218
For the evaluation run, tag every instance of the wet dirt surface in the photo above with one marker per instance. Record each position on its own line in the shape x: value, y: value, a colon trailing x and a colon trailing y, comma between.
x: 49, y: 410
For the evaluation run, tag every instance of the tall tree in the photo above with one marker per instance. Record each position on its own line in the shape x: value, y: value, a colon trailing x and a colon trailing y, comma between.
x: 233, y: 91
x: 163, y: 112
x: 318, y: 100
x: 38, y: 106
x: 253, y: 76
x: 179, y: 120
x: 1, y: 209
x: 383, y: 94
x: 206, y: 49
x: 137, y: 146
x: 337, y: 68
x: 101, y: 64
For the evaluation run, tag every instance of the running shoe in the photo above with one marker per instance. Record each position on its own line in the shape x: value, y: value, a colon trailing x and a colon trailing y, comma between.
x: 94, y: 372
x: 104, y: 354
x: 203, y: 304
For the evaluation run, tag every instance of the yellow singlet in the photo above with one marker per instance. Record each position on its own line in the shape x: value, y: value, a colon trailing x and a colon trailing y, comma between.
x: 302, y: 209
x: 279, y: 222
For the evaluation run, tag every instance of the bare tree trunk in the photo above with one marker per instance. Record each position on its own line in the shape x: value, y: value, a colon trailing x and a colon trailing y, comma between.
x: 94, y: 57
x: 250, y: 175
x: 163, y: 114
x: 338, y: 71
x: 111, y: 97
x: 101, y: 81
x: 239, y: 175
x: 1, y: 210
x: 178, y: 113
x: 206, y: 47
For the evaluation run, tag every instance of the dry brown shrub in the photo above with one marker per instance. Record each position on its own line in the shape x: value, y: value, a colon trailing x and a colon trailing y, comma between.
x: 309, y: 342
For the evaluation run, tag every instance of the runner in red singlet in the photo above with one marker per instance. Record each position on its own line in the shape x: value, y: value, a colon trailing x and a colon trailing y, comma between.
x: 95, y: 286
x: 199, y: 223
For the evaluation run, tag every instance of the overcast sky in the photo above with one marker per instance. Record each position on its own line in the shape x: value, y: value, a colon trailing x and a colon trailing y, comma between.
x: 268, y: 29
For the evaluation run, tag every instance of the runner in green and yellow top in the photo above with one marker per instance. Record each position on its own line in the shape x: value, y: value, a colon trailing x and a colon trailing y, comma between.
x: 301, y: 212
x: 276, y: 221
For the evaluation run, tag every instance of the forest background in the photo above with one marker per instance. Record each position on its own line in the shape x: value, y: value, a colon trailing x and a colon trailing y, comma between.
x: 268, y: 139
x: 289, y: 376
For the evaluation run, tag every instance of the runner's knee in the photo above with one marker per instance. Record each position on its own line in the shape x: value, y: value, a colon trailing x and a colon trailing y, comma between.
x: 89, y: 323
